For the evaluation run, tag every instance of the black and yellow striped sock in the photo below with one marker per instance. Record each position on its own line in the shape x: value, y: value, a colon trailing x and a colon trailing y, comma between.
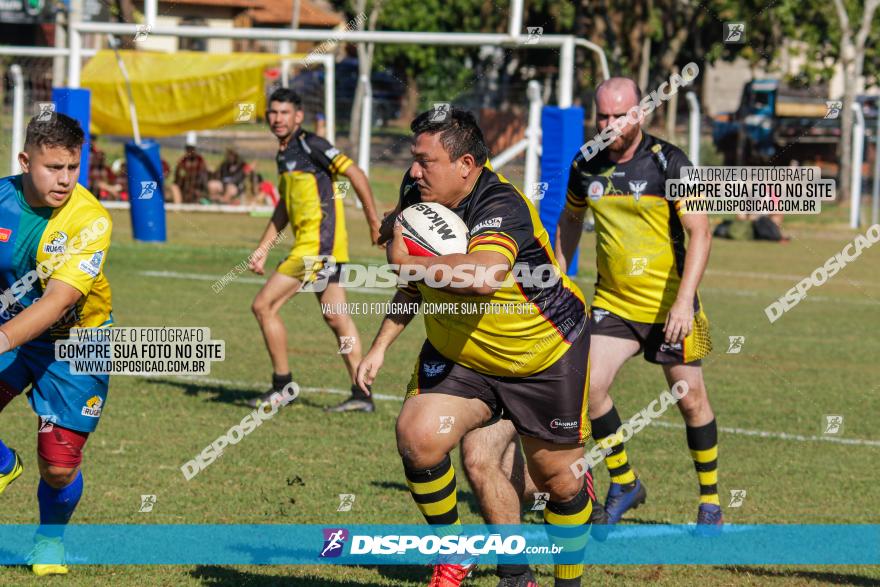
x: 434, y: 492
x: 703, y: 442
x: 605, y: 432
x: 569, y: 527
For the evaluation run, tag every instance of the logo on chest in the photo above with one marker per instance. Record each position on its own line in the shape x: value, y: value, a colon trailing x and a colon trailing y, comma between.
x: 56, y: 244
x: 637, y: 187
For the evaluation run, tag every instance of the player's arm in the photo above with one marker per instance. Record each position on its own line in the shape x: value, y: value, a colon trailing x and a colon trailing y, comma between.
x: 680, y: 319
x: 277, y: 223
x: 568, y: 235
x: 478, y: 273
x: 571, y: 221
x: 403, y: 307
x: 34, y: 320
x: 361, y: 186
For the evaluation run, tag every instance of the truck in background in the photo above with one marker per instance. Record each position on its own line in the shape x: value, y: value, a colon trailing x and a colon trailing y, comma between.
x: 778, y: 125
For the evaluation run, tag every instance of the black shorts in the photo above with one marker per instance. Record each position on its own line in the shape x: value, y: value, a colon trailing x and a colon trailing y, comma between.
x: 650, y: 337
x: 550, y: 405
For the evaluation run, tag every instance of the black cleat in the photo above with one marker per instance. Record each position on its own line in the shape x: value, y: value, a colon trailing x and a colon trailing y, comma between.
x: 353, y: 404
x: 276, y: 397
x: 527, y: 579
x: 599, y: 527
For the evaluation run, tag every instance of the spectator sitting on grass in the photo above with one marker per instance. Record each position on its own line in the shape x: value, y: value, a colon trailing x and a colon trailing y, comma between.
x: 228, y: 185
x: 190, y: 178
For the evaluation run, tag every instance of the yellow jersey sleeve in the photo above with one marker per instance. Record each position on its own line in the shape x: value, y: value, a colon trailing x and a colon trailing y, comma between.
x: 83, y: 261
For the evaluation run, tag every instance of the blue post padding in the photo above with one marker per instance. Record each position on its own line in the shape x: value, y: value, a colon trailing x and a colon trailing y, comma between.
x: 563, y: 135
x: 145, y: 190
x: 76, y: 103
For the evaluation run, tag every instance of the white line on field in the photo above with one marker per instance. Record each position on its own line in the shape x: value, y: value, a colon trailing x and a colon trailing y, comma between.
x: 258, y: 280
x: 726, y: 430
x: 390, y: 291
x: 811, y: 298
x: 778, y: 276
x: 780, y: 435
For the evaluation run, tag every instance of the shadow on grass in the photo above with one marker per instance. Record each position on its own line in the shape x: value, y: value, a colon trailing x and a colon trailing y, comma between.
x: 237, y: 396
x: 220, y: 393
x: 827, y: 577
x: 230, y: 577
x: 395, y: 485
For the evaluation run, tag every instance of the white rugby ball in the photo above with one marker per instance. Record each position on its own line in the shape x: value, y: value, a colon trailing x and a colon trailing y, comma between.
x: 431, y: 229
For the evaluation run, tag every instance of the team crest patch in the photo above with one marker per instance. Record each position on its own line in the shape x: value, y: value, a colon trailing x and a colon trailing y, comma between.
x: 93, y: 266
x: 433, y: 368
x: 56, y: 244
x: 595, y: 190
x: 93, y: 407
x: 291, y: 165
x: 637, y: 187
x: 5, y: 233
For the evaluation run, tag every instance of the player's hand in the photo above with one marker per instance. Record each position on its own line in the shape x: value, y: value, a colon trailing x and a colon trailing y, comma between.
x: 396, y: 251
x: 257, y: 260
x: 368, y: 368
x: 386, y: 229
x: 679, y: 321
x: 375, y: 234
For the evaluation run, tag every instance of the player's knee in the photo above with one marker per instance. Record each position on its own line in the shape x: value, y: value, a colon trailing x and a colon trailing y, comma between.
x: 261, y: 308
x: 336, y: 321
x: 599, y: 387
x: 478, y: 465
x: 696, y: 402
x: 562, y: 485
x: 58, y: 477
x: 418, y: 449
x: 60, y: 452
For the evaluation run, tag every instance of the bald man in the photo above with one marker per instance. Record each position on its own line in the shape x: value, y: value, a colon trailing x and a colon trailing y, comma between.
x: 646, y: 299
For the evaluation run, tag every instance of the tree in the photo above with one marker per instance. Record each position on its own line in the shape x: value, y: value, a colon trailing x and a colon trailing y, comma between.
x: 365, y: 67
x: 852, y: 58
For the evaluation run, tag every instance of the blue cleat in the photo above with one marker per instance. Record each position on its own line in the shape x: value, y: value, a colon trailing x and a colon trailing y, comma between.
x: 619, y: 500
x: 709, y: 520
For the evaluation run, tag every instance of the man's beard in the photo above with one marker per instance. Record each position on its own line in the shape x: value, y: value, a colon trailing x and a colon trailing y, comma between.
x: 625, y: 140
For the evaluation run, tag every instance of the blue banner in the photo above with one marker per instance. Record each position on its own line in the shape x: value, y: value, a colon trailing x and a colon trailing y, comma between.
x: 278, y: 544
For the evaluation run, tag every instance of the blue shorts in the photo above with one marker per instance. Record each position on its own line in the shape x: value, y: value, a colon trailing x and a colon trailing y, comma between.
x: 70, y: 401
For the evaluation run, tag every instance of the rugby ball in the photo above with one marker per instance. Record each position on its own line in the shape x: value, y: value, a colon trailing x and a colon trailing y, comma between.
x: 431, y: 230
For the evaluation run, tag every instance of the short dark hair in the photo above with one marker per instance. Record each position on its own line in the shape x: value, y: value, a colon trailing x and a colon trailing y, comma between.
x: 459, y: 132
x: 54, y: 130
x: 286, y: 95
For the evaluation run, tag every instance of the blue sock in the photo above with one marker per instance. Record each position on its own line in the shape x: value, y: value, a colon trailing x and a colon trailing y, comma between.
x: 7, y: 459
x: 57, y: 505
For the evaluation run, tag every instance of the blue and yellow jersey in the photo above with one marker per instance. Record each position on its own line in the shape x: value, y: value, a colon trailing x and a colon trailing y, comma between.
x: 640, y: 241
x: 68, y: 243
x: 306, y: 170
x: 543, y: 319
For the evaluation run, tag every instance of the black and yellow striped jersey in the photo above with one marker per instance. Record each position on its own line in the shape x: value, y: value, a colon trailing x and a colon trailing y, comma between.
x: 536, y: 322
x: 640, y: 241
x: 306, y: 174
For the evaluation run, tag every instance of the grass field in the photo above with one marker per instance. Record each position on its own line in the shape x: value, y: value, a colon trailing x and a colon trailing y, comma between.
x: 820, y: 358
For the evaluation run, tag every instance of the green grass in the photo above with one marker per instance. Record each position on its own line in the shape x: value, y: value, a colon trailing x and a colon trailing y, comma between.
x: 820, y: 358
